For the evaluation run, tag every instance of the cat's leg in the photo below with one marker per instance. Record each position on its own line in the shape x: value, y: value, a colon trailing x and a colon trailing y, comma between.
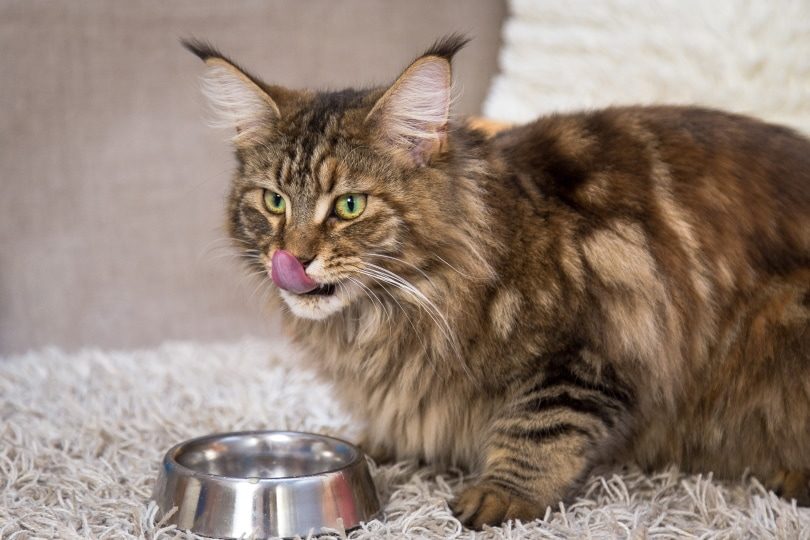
x: 756, y: 393
x: 546, y: 440
x: 791, y: 485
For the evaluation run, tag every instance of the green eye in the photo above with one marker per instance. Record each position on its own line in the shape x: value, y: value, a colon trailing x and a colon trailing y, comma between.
x: 274, y: 202
x: 350, y: 206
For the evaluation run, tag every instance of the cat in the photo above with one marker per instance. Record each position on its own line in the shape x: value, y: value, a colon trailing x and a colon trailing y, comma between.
x: 627, y: 284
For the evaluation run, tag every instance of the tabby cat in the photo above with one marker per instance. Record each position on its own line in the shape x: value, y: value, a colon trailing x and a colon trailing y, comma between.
x: 629, y: 284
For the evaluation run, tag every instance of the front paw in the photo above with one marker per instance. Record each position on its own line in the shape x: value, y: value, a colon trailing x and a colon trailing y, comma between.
x: 488, y: 504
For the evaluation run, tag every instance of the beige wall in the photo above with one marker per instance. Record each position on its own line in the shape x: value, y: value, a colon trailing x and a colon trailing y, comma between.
x: 111, y: 185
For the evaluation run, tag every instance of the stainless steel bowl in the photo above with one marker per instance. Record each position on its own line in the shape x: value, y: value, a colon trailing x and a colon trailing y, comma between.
x: 265, y: 484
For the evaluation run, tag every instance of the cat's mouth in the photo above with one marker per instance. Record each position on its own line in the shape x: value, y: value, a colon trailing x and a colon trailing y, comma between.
x: 289, y: 274
x: 327, y: 289
x: 321, y: 301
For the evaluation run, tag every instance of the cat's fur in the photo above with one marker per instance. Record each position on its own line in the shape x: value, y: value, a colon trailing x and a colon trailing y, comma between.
x: 630, y: 283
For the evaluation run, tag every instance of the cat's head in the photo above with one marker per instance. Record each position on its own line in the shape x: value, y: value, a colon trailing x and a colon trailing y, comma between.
x: 340, y: 193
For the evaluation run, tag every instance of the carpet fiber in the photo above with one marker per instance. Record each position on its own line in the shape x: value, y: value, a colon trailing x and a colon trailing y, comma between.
x: 81, y: 437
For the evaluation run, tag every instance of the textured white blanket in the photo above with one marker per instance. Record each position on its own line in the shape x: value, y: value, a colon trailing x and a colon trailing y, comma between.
x: 747, y: 56
x: 81, y: 436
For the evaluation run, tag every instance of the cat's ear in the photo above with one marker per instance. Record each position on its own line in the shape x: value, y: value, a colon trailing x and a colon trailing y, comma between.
x: 411, y: 117
x: 239, y: 100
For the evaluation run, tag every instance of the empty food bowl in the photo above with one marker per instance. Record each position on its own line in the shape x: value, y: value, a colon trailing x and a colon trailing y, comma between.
x: 260, y: 484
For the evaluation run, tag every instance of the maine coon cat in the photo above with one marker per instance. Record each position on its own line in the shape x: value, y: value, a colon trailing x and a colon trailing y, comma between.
x: 623, y: 284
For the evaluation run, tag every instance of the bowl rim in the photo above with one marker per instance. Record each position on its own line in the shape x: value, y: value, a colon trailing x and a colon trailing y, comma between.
x: 169, y: 457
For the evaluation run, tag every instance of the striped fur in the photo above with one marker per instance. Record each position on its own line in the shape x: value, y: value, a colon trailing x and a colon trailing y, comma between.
x: 624, y: 284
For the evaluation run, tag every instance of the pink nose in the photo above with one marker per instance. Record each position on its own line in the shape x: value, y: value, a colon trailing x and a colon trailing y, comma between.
x: 289, y: 274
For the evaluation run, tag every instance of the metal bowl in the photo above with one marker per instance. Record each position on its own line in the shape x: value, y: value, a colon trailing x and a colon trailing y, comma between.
x: 263, y: 484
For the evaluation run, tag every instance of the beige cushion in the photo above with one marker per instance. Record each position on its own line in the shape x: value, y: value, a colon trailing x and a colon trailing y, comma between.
x: 111, y: 184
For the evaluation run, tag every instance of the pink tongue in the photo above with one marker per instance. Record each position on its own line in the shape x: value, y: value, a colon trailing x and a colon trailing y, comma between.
x: 289, y: 274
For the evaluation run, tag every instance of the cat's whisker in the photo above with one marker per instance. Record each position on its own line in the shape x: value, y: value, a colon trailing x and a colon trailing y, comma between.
x: 419, y: 298
x: 232, y: 256
x: 261, y: 274
x: 365, y: 290
x: 463, y: 274
x: 406, y: 285
x: 382, y: 304
x: 229, y: 251
x: 218, y: 242
x: 446, y: 334
x: 426, y: 350
x: 226, y: 243
x: 250, y: 279
x: 402, y: 261
x: 263, y: 293
x: 386, y: 276
x: 262, y: 281
x: 342, y: 287
x: 371, y: 293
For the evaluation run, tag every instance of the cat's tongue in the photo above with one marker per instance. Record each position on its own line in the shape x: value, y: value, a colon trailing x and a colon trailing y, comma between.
x: 288, y: 273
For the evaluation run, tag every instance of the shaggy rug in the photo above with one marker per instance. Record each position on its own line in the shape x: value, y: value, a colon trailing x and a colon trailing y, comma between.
x: 81, y: 436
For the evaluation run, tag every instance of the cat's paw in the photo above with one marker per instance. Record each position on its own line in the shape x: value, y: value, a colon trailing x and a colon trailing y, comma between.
x: 487, y: 504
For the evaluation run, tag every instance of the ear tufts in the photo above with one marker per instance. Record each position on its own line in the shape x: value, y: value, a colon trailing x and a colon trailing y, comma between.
x: 206, y: 52
x: 238, y: 100
x: 448, y: 46
x: 202, y: 49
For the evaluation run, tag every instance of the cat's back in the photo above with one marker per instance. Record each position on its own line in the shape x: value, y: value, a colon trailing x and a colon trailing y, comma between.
x: 740, y: 184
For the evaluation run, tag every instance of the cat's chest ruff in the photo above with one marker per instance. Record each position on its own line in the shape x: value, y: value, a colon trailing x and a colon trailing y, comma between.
x: 413, y: 404
x: 439, y: 426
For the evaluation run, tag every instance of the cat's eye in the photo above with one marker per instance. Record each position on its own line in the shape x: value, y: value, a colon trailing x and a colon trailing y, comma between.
x: 274, y: 202
x: 350, y: 205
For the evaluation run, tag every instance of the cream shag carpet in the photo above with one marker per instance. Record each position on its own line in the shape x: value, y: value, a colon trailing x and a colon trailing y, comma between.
x: 81, y: 436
